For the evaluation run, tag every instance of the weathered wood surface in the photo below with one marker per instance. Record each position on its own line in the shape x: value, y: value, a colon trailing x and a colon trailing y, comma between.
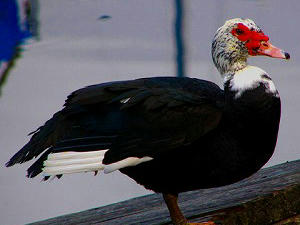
x: 271, y: 196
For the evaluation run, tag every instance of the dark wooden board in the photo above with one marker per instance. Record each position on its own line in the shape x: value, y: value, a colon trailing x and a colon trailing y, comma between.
x: 271, y: 196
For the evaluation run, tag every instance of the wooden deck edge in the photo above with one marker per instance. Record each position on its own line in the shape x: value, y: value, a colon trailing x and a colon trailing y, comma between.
x: 264, y: 210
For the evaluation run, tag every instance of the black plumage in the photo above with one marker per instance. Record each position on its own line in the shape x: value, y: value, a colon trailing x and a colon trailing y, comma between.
x: 198, y: 135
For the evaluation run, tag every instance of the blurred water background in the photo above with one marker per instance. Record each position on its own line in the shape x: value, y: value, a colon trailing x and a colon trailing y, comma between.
x: 78, y: 43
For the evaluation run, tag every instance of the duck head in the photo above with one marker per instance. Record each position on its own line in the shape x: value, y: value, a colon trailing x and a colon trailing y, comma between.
x: 238, y: 39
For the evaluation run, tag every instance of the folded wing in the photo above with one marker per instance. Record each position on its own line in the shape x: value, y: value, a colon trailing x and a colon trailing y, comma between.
x: 136, y: 120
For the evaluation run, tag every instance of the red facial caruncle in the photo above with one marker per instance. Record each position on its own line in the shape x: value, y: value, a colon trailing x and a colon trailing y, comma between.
x: 257, y: 42
x: 252, y: 37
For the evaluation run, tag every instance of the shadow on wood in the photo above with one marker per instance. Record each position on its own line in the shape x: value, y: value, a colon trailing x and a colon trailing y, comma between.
x: 270, y: 197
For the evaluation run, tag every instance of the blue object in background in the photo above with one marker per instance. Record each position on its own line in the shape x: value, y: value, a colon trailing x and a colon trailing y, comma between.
x: 104, y: 17
x: 13, y: 33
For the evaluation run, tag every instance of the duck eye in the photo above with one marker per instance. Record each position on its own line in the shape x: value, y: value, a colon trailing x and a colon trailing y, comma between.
x: 239, y: 31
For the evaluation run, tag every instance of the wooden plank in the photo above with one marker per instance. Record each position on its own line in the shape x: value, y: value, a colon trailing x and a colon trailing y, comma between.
x: 271, y: 196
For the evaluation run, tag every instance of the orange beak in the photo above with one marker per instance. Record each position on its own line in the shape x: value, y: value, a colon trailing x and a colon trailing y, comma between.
x: 266, y: 48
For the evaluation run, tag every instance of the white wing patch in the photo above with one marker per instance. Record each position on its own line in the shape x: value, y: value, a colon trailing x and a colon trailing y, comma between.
x: 73, y: 162
x: 249, y: 78
x: 77, y: 162
x: 130, y: 161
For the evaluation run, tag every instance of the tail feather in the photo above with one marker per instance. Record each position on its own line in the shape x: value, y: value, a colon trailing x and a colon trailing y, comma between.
x: 36, y: 168
x: 42, y: 139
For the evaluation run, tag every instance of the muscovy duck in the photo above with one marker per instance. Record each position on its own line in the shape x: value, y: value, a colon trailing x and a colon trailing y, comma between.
x: 170, y: 134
